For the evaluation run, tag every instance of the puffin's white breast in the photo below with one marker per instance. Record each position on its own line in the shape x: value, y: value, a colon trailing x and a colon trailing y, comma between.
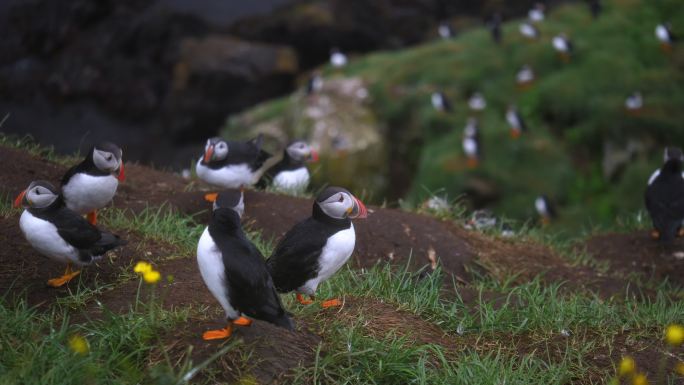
x: 560, y: 44
x: 84, y: 193
x: 470, y: 146
x: 212, y: 269
x: 334, y: 255
x: 43, y: 236
x: 512, y: 119
x: 292, y: 180
x: 540, y: 205
x: 231, y: 176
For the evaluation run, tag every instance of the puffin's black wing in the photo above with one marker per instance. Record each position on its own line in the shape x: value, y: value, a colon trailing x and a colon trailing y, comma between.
x: 85, y: 237
x: 75, y: 229
x: 295, y: 259
x: 250, y: 288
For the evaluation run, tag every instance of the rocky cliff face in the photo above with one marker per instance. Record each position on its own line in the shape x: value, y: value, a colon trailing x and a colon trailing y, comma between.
x: 157, y: 76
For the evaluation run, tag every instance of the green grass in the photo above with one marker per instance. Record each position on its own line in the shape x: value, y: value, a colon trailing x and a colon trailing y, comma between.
x: 160, y: 223
x: 572, y: 111
x: 28, y: 144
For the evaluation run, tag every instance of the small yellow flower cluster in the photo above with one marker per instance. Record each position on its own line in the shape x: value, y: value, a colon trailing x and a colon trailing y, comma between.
x: 628, y: 368
x: 674, y: 335
x: 78, y: 344
x: 148, y: 273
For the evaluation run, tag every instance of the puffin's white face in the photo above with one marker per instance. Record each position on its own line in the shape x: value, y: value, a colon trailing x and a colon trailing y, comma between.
x: 343, y: 205
x: 39, y: 195
x: 215, y: 149
x: 300, y: 151
x: 108, y: 161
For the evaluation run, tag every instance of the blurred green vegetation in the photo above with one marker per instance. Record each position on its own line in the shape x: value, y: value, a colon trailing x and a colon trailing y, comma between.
x: 573, y: 110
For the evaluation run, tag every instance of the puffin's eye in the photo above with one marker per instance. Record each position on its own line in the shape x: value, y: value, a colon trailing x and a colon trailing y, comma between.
x: 37, y: 191
x: 341, y: 198
x: 109, y: 157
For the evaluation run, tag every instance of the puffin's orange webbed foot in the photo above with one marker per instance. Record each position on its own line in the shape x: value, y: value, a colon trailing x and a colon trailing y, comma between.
x: 242, y: 321
x: 300, y: 299
x: 64, y: 279
x: 211, y: 197
x: 92, y: 217
x: 218, y: 334
x: 331, y: 303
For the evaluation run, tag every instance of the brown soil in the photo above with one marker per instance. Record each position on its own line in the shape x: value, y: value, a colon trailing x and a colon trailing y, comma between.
x: 638, y: 253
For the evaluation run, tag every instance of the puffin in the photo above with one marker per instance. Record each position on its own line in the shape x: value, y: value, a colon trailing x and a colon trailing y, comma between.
x: 634, y: 103
x: 291, y: 173
x: 60, y: 233
x: 515, y: 122
x: 481, y: 220
x: 314, y: 84
x: 234, y: 270
x: 231, y: 164
x: 316, y: 248
x: 477, y: 102
x: 444, y: 30
x: 545, y: 209
x: 471, y: 143
x: 563, y: 45
x: 665, y: 197
x: 528, y: 30
x: 91, y: 184
x: 536, y: 14
x: 525, y: 77
x: 337, y: 58
x: 440, y: 102
x: 495, y: 27
x: 664, y: 34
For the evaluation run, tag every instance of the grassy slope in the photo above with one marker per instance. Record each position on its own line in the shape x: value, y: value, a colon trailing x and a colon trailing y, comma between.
x: 482, y: 341
x: 571, y: 110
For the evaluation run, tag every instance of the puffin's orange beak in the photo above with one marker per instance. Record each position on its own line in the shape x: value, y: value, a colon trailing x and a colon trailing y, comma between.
x: 359, y: 210
x: 19, y: 199
x: 121, y: 176
x: 208, y: 154
x: 314, y: 156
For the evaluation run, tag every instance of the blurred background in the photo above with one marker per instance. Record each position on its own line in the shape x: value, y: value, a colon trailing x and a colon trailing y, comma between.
x: 160, y: 77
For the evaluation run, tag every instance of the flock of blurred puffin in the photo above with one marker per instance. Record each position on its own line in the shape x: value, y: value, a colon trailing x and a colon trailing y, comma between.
x: 561, y: 43
x: 245, y: 284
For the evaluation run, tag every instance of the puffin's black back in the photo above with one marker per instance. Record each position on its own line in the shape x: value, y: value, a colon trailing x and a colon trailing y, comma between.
x: 250, y: 287
x: 665, y: 200
x: 75, y: 230
x: 295, y: 259
x: 248, y: 152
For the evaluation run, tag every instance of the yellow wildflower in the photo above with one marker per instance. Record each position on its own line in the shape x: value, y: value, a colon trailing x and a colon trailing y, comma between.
x: 142, y: 267
x: 674, y: 335
x: 640, y: 379
x: 679, y: 368
x: 627, y: 366
x: 78, y: 344
x: 152, y: 276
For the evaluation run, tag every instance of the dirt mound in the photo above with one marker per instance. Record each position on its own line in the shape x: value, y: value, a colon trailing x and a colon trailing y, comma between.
x: 638, y: 253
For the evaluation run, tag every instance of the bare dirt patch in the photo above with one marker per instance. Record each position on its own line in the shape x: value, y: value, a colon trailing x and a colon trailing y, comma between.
x: 638, y: 253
